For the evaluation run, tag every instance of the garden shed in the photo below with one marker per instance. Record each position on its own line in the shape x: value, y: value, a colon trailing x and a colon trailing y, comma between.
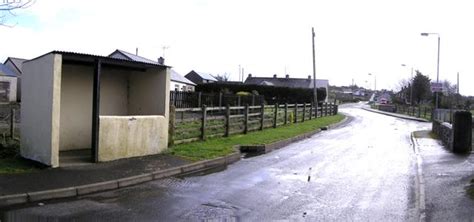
x: 112, y: 108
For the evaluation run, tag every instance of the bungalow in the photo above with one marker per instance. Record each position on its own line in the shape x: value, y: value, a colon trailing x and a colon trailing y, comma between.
x: 177, y: 81
x: 289, y: 82
x: 8, y: 84
x: 200, y: 77
x: 16, y: 64
x: 111, y: 108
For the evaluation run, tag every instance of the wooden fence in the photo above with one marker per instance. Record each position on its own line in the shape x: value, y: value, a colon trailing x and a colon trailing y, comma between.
x: 197, y: 99
x: 191, y: 124
x: 420, y: 112
x: 9, y: 121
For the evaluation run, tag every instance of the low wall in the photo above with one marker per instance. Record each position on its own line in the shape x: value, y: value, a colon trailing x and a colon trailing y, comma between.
x: 131, y: 136
x: 458, y: 136
x: 444, y: 131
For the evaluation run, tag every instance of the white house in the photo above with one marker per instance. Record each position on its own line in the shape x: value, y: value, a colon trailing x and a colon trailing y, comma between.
x: 15, y: 65
x: 8, y: 85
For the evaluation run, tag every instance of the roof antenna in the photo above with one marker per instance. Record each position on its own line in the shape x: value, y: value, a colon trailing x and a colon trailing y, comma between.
x: 165, y: 47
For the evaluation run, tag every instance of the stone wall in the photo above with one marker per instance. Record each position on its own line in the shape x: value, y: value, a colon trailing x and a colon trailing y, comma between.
x: 444, y: 131
x: 387, y: 108
x: 458, y: 136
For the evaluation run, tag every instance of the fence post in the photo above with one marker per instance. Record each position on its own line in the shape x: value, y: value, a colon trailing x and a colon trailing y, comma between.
x: 199, y: 99
x: 171, y: 126
x: 12, y: 122
x: 253, y: 100
x: 262, y: 115
x: 296, y: 113
x: 316, y: 110
x: 275, y: 115
x: 419, y: 111
x: 425, y: 112
x: 325, y: 109
x: 220, y: 99
x: 304, y: 111
x: 311, y: 111
x: 203, y: 122
x: 246, y: 118
x: 227, y: 120
x: 286, y: 113
x: 238, y: 100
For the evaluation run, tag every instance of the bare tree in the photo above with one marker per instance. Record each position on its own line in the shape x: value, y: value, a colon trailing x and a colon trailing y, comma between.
x: 222, y: 77
x: 8, y: 8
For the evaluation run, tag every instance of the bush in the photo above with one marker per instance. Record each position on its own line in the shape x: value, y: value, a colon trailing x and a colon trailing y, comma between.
x: 9, y: 148
x: 272, y: 94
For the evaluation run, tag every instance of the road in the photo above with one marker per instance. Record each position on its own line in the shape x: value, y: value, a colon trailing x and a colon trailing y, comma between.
x: 364, y: 170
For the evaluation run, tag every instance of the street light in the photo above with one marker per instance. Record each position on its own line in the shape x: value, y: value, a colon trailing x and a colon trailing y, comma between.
x: 437, y: 67
x: 375, y: 81
x: 411, y: 85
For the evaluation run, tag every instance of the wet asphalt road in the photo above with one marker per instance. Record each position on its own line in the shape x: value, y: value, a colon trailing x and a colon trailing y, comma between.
x: 364, y: 170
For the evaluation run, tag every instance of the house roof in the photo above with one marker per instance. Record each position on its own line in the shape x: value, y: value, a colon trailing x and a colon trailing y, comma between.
x: 287, y: 82
x: 82, y: 58
x: 205, y: 76
x: 5, y: 71
x: 134, y: 57
x: 17, y: 62
x: 179, y: 78
x: 174, y: 76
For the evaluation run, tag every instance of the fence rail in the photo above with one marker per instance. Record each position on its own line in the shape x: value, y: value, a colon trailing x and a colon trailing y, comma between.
x: 416, y: 111
x: 191, y: 124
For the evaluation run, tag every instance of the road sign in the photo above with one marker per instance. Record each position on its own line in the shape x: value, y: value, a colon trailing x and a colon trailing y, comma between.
x: 436, y: 87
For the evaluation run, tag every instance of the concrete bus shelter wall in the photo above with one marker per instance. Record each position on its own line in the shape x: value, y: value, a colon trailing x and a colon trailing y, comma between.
x: 76, y: 106
x: 41, y: 85
x: 131, y: 136
x: 144, y: 131
x: 57, y: 110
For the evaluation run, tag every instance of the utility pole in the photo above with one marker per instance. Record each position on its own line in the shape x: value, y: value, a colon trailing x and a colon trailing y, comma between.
x: 240, y: 73
x: 315, y: 91
x: 458, y: 83
x: 411, y: 87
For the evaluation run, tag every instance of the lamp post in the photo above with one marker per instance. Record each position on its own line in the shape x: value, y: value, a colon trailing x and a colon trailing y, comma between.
x: 375, y: 81
x: 437, y: 66
x: 315, y: 90
x: 411, y: 85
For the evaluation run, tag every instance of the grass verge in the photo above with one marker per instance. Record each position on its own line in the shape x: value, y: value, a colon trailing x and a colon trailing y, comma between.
x: 217, y: 147
x: 10, y: 160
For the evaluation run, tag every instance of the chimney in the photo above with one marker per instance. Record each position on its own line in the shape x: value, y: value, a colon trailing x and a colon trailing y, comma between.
x: 250, y: 75
x: 287, y: 76
x: 274, y: 76
x: 136, y: 51
x: 161, y: 60
x: 309, y: 77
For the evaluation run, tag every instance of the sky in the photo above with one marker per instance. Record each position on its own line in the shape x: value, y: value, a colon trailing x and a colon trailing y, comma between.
x: 353, y: 38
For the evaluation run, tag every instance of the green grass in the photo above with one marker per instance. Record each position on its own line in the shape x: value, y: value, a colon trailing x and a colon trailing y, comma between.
x: 10, y: 160
x: 217, y: 147
x: 16, y: 165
